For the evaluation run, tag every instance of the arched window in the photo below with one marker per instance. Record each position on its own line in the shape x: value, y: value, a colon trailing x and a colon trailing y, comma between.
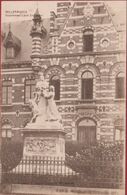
x: 55, y: 81
x: 86, y: 131
x: 6, y: 131
x: 119, y: 82
x: 88, y: 40
x: 29, y: 89
x: 87, y: 85
x: 7, y: 92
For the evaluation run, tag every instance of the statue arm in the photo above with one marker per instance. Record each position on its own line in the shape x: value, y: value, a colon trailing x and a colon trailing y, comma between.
x: 48, y: 95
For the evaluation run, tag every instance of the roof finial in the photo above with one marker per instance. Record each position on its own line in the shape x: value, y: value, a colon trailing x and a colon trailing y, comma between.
x: 37, y: 4
x: 9, y: 27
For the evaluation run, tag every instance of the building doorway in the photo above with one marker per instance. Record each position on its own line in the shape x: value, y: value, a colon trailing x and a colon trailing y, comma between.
x: 86, y: 132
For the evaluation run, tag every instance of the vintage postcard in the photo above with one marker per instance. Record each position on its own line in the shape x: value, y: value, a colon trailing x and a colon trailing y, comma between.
x: 63, y: 70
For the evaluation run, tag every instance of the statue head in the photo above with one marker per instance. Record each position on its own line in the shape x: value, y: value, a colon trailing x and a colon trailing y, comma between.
x: 41, y: 76
x: 52, y: 88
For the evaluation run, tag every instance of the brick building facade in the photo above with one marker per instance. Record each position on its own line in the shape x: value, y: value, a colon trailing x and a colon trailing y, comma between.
x: 80, y: 50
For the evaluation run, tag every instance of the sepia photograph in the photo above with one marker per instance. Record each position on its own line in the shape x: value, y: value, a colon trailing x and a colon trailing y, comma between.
x: 63, y: 97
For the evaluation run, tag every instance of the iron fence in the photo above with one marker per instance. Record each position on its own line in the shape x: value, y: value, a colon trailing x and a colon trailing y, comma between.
x: 57, y: 171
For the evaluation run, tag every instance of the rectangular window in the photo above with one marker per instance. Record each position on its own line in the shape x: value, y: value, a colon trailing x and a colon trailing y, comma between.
x: 29, y: 89
x: 88, y: 42
x: 6, y: 133
x: 7, y: 93
x: 99, y: 10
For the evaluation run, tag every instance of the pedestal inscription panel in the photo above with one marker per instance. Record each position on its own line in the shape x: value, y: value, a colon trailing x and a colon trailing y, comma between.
x: 43, y: 146
x: 40, y: 145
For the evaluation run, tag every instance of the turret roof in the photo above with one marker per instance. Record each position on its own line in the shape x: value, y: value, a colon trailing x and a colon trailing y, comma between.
x: 21, y: 31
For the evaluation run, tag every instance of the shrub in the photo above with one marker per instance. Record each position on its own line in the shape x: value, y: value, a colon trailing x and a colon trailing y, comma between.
x: 101, y: 160
x: 11, y: 154
x: 97, y: 151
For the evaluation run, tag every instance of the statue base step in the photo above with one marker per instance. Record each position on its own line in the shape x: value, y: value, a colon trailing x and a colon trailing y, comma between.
x: 43, y: 167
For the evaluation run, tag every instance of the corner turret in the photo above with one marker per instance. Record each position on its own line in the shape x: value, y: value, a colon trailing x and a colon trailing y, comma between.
x: 38, y: 29
x: 38, y: 32
x: 12, y: 44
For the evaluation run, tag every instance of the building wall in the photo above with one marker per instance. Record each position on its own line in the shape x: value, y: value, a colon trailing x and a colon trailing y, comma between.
x: 105, y: 62
x: 104, y: 108
x: 16, y: 113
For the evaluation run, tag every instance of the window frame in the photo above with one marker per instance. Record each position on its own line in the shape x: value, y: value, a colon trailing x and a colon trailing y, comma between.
x: 118, y: 86
x: 86, y: 129
x: 84, y: 93
x: 7, y: 92
x: 121, y: 134
x: 6, y: 128
x: 12, y: 56
x: 88, y: 37
x: 56, y: 87
x: 31, y: 85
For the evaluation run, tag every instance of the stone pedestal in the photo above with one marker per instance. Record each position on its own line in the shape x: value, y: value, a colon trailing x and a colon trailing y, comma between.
x: 43, y: 150
x: 44, y: 142
x: 46, y: 139
x: 44, y: 136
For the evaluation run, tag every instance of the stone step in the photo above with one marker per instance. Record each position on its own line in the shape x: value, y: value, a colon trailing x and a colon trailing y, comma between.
x: 19, y: 189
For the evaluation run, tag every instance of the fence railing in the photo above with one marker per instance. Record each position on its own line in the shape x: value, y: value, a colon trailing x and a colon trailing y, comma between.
x: 56, y: 171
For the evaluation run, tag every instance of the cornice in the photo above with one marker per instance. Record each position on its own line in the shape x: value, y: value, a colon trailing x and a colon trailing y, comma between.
x: 45, y: 56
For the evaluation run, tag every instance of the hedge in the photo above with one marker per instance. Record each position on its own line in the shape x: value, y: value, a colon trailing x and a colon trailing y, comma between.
x: 11, y: 154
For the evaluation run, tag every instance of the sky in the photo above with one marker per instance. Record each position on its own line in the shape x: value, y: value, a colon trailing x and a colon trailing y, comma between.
x: 26, y: 9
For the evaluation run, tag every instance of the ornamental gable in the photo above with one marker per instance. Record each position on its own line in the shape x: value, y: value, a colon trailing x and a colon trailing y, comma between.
x: 85, y: 18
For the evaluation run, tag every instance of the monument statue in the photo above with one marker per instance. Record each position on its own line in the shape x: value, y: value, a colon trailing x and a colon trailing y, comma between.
x: 43, y: 106
x: 44, y: 135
